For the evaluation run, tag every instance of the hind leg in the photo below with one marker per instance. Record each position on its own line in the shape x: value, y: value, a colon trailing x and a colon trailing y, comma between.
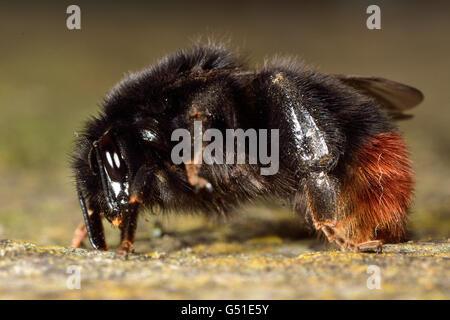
x: 323, y: 201
x: 335, y: 233
x: 371, y: 202
x: 307, y: 152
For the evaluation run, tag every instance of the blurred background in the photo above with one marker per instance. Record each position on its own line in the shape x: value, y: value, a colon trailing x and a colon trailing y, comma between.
x: 52, y: 79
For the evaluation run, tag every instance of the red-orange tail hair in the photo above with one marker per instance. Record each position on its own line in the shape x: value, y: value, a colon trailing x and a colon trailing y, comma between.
x: 375, y: 199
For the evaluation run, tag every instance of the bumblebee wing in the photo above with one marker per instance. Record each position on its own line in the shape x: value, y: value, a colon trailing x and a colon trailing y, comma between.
x: 392, y: 96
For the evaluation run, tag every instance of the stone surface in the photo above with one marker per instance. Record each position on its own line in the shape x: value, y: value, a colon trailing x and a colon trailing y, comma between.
x: 266, y: 267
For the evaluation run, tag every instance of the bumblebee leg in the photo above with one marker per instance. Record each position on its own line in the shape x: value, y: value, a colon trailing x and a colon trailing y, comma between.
x: 322, y: 191
x: 79, y: 235
x: 305, y: 144
x: 335, y: 234
x: 194, y: 179
x: 307, y: 151
x: 196, y: 116
x: 127, y: 232
x: 322, y: 194
x: 375, y: 197
x: 370, y: 246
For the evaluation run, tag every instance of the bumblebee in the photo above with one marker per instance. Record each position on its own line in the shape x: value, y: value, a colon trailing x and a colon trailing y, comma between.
x: 342, y: 161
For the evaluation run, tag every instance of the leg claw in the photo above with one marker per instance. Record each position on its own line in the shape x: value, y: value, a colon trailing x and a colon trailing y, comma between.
x: 370, y: 246
x: 333, y: 235
x: 126, y: 247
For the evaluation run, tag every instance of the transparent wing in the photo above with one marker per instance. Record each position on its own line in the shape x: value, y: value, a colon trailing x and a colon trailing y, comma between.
x: 394, y: 97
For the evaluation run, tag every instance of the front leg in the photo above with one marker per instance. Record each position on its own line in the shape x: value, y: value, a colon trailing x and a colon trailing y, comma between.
x: 79, y: 235
x: 127, y: 231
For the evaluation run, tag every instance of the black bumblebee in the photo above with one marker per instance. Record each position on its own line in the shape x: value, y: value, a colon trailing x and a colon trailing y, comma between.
x: 342, y: 161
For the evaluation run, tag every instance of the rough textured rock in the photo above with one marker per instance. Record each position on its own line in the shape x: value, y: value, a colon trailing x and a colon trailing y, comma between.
x: 258, y: 268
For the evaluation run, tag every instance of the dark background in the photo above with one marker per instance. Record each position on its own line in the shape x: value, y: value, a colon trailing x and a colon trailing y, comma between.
x: 52, y: 79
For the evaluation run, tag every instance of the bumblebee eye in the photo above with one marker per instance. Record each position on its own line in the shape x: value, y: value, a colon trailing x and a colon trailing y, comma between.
x: 112, y: 159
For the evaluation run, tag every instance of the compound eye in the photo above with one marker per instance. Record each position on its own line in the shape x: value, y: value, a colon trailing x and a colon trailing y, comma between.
x: 112, y: 159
